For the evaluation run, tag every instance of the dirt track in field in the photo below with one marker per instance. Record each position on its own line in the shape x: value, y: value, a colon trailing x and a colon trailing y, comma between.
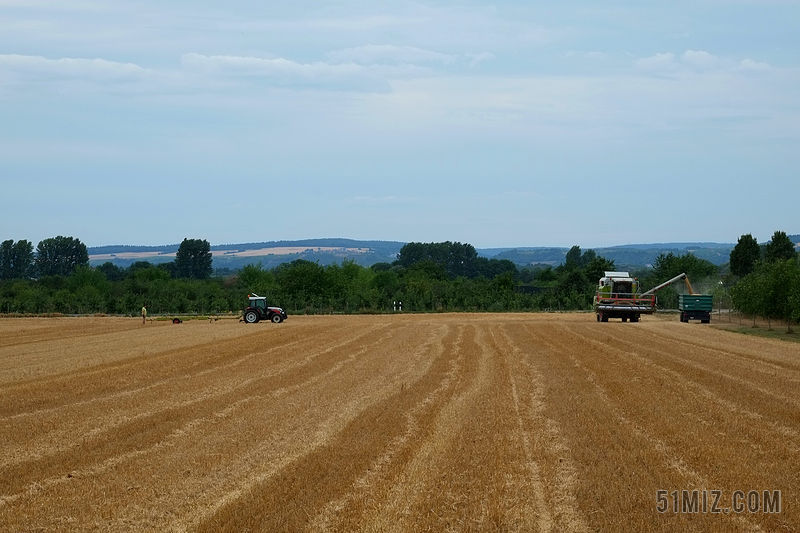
x: 523, y: 422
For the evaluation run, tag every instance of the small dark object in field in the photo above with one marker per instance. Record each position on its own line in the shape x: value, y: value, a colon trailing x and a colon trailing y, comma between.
x: 176, y: 320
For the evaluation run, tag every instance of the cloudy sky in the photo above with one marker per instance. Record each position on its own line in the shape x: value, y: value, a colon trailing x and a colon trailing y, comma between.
x: 510, y: 123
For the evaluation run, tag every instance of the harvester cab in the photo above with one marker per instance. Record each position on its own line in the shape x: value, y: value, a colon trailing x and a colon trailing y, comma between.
x: 618, y: 284
x: 257, y: 310
x: 618, y: 297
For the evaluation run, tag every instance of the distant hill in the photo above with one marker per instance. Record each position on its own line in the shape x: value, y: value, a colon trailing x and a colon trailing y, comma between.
x: 270, y: 254
x: 624, y: 256
x: 328, y: 251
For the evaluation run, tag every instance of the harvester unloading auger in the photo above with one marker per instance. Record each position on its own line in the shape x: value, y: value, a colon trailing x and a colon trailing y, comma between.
x: 618, y: 297
x: 684, y: 277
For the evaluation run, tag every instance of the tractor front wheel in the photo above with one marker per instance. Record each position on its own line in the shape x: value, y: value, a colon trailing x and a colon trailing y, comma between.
x: 277, y: 319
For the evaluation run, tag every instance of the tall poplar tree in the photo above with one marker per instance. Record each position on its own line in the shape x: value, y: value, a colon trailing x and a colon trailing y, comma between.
x: 60, y: 256
x: 745, y: 255
x: 193, y: 259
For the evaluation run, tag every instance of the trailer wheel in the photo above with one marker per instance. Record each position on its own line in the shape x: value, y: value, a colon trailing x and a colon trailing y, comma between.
x: 251, y: 317
x: 277, y: 319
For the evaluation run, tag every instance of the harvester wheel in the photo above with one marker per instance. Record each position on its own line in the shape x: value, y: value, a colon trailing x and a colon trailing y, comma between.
x: 624, y: 319
x: 251, y: 317
x: 634, y: 319
x: 598, y: 317
x: 277, y: 319
x: 603, y: 317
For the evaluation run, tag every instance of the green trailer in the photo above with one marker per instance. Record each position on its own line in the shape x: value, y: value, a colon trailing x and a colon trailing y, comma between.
x: 695, y: 307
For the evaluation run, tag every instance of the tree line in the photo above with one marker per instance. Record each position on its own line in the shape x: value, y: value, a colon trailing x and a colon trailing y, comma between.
x: 61, y: 256
x: 425, y: 277
x: 767, y: 278
x: 762, y: 279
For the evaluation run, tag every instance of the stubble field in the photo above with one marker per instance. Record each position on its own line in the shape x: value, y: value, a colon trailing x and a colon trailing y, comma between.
x: 454, y: 422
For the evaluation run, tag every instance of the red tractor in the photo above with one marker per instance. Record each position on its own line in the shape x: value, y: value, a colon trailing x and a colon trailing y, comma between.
x: 257, y: 309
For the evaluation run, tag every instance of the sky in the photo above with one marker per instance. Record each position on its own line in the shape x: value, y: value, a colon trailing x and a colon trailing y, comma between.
x: 502, y: 124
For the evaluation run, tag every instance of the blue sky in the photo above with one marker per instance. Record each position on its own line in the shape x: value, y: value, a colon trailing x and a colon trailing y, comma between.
x: 502, y: 124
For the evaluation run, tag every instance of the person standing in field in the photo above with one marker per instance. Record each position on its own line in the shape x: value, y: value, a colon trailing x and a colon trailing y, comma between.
x: 144, y: 313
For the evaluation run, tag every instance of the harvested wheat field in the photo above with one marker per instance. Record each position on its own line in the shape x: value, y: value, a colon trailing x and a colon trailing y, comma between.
x: 455, y: 422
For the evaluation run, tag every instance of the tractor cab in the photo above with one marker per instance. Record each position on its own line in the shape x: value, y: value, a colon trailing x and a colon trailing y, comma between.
x: 257, y: 310
x: 259, y: 302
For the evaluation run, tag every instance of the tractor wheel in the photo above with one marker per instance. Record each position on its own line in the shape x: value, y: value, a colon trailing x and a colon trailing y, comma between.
x: 277, y: 319
x: 251, y: 317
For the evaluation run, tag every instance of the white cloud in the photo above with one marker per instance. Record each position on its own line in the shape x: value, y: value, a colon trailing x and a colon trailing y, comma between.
x: 665, y: 61
x: 371, y: 53
x: 701, y: 60
x: 50, y: 5
x: 385, y: 200
x: 287, y: 73
x: 40, y: 67
x: 594, y: 55
x: 516, y: 195
x: 477, y: 58
x: 697, y: 61
x: 749, y: 64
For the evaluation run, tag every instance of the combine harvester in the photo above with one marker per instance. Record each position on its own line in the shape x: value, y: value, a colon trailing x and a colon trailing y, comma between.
x: 618, y: 297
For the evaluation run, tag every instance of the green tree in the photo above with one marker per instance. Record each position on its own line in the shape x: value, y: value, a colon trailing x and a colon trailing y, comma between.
x: 781, y: 277
x: 780, y: 248
x: 747, y: 295
x: 254, y: 279
x: 456, y: 258
x: 303, y: 284
x: 112, y: 271
x: 547, y: 274
x: 193, y: 259
x: 491, y: 268
x: 744, y: 255
x: 6, y: 259
x: 60, y: 256
x: 669, y: 265
x: 573, y: 258
x: 596, y: 267
x: 794, y: 297
x: 387, y: 284
x: 380, y: 267
x: 16, y: 260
